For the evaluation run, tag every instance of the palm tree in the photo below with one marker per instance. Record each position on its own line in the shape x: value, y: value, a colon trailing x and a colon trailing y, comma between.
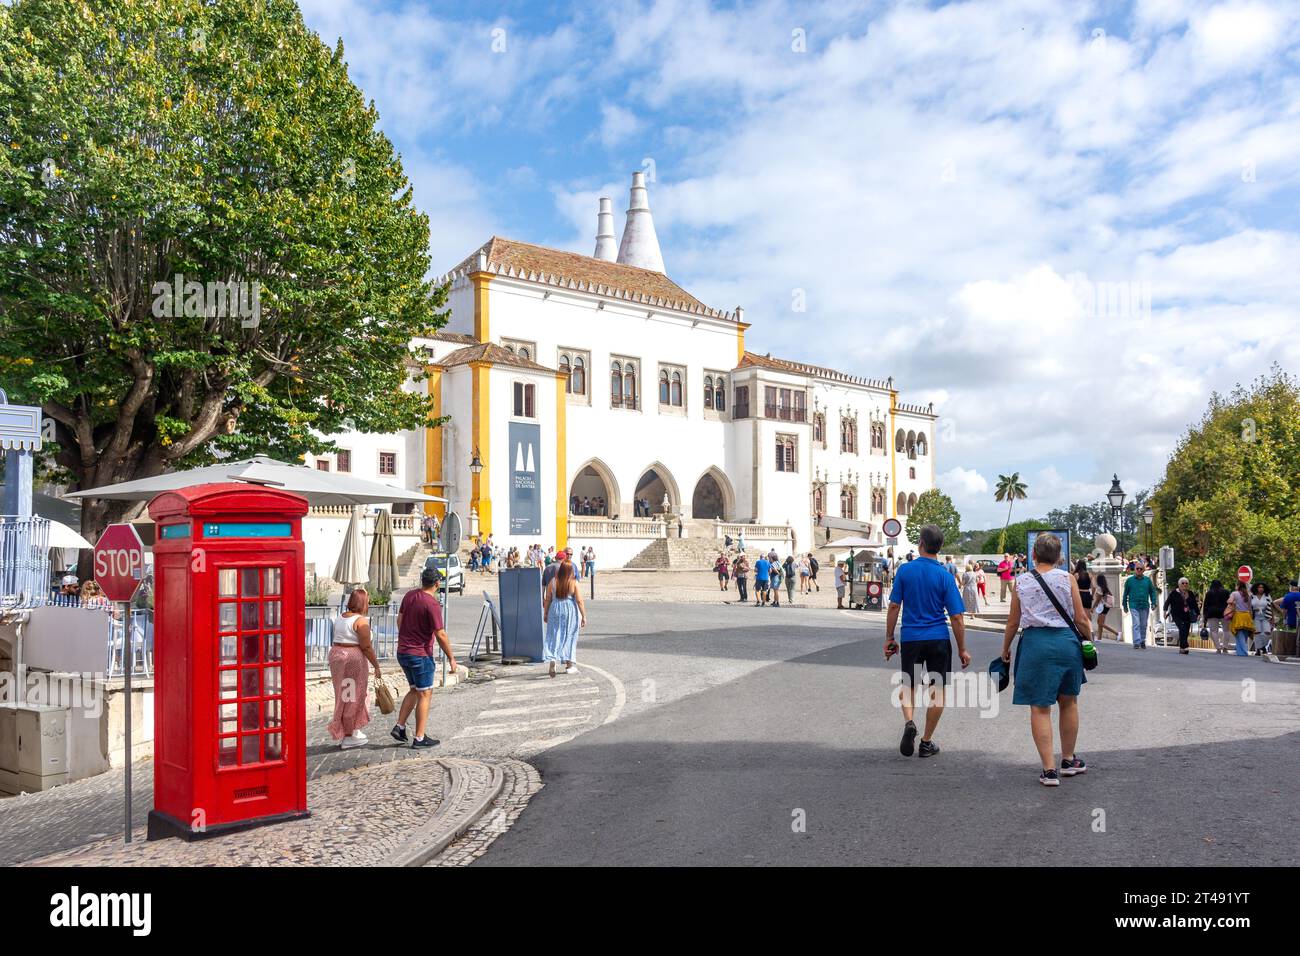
x: 1009, y: 489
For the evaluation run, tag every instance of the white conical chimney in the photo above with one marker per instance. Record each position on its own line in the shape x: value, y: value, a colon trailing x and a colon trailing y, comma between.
x: 605, y: 247
x: 640, y: 245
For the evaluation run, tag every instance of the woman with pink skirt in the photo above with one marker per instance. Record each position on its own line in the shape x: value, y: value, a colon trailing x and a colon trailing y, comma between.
x: 347, y: 660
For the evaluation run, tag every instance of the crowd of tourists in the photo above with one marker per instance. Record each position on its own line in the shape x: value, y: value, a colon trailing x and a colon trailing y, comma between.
x: 770, y: 575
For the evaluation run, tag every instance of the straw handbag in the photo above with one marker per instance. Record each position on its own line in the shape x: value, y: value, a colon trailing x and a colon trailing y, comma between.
x: 384, y: 698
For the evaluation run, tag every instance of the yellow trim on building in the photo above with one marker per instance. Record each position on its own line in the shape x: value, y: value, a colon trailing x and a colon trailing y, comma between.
x: 480, y: 430
x: 740, y: 341
x: 482, y: 310
x: 433, y: 447
x: 893, y: 454
x: 561, y: 463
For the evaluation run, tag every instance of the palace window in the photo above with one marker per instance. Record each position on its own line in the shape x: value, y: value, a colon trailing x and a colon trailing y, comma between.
x: 623, y: 384
x: 848, y: 502
x: 877, y: 501
x: 785, y: 404
x: 819, y: 429
x: 911, y: 472
x: 921, y: 445
x: 900, y: 440
x: 911, y: 502
x: 525, y: 350
x: 715, y: 391
x: 388, y: 463
x: 787, y: 453
x: 708, y: 391
x: 742, y: 402
x: 902, y: 504
x: 671, y: 379
x: 878, y: 438
x: 575, y: 364
x: 525, y: 395
x: 911, y: 445
x: 343, y: 460
x: 848, y: 436
x: 819, y: 499
x: 322, y: 464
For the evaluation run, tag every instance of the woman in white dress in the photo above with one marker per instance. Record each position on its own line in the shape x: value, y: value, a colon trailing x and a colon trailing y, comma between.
x: 1261, y: 605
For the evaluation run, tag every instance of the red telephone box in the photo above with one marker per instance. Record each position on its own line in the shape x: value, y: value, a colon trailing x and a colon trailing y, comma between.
x: 230, y: 728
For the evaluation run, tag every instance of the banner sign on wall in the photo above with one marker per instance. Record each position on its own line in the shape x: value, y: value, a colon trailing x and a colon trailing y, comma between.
x: 525, y: 488
x: 1064, y: 562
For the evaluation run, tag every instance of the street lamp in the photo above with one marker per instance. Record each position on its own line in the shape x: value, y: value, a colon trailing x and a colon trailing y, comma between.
x: 475, y: 463
x: 1149, y: 516
x: 475, y: 469
x: 1116, y: 498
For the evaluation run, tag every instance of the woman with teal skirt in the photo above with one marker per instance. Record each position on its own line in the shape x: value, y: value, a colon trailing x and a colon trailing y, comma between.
x: 1049, y: 661
x: 563, y: 613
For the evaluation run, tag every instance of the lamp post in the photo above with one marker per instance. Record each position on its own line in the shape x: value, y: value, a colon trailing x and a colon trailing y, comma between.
x: 475, y: 469
x: 1149, y: 518
x: 1116, y: 498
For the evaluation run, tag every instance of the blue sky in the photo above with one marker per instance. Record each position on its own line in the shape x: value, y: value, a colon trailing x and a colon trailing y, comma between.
x: 948, y: 188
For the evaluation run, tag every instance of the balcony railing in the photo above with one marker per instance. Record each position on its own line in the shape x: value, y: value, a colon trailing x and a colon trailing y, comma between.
x: 618, y: 401
x: 24, y: 561
x: 785, y: 414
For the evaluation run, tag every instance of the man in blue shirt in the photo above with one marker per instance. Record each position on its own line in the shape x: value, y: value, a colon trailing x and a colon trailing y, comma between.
x: 1288, y: 602
x: 923, y: 591
x: 762, y: 571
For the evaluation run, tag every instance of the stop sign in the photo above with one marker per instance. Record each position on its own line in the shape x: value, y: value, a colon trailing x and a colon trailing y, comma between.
x: 119, y: 562
x: 1244, y: 574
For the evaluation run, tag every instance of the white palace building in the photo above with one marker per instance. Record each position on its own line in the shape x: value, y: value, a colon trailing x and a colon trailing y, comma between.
x: 610, y: 407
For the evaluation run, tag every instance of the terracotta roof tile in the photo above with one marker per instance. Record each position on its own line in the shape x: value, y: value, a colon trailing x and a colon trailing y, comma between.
x: 490, y: 352
x: 570, y: 266
x: 753, y: 359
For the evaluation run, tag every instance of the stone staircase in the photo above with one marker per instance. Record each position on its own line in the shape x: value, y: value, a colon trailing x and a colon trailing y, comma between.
x: 409, y: 566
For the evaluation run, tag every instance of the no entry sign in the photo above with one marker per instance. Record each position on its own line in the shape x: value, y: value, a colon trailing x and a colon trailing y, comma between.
x: 119, y: 562
x: 1244, y: 574
x: 892, y: 527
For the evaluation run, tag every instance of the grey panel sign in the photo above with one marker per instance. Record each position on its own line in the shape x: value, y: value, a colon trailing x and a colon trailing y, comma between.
x: 525, y: 485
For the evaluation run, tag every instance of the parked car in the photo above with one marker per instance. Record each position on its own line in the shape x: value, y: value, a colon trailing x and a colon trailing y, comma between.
x: 989, y: 566
x: 455, y: 574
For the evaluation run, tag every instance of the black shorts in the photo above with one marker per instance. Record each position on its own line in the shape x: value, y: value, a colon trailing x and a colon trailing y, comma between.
x: 935, y: 658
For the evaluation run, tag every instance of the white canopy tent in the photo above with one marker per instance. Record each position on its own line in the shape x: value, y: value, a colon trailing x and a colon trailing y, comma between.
x: 318, y: 487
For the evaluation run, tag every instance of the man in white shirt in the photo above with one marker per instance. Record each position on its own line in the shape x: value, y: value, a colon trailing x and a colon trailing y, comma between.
x: 841, y: 579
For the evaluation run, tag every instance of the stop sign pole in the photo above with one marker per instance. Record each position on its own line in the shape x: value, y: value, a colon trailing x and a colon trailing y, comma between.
x: 119, y: 569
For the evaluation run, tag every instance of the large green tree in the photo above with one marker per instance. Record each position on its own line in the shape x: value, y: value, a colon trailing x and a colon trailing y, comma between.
x: 1231, y: 491
x: 934, y: 507
x: 198, y: 141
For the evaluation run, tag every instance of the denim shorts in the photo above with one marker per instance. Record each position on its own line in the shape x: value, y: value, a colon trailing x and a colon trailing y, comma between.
x: 418, y: 669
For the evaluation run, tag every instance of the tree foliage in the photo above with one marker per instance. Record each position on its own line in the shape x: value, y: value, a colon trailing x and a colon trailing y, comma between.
x: 218, y: 140
x: 1231, y: 491
x: 934, y: 507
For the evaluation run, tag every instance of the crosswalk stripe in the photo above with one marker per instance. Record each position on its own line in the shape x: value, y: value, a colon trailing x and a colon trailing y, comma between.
x: 492, y: 730
x: 538, y: 708
x: 555, y: 692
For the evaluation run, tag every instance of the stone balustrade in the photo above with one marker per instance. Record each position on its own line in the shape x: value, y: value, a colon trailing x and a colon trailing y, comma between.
x: 752, y: 532
x: 616, y: 528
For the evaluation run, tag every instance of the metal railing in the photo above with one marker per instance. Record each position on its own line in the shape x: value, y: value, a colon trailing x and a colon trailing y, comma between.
x: 609, y: 528
x: 24, y: 561
x: 785, y: 413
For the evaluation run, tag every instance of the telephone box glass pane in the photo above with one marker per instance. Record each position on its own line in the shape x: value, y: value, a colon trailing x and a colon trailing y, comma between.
x: 226, y: 582
x: 228, y: 643
x: 228, y: 711
x: 273, y: 747
x: 250, y: 716
x: 271, y: 712
x: 248, y: 617
x: 248, y: 649
x: 248, y: 582
x: 248, y: 682
x: 270, y: 580
x: 226, y: 751
x: 272, y: 680
x: 229, y: 683
x: 250, y: 749
x: 228, y: 618
x: 271, y: 610
x: 272, y: 648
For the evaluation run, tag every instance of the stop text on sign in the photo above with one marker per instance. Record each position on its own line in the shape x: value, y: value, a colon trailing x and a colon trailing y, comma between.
x: 119, y: 563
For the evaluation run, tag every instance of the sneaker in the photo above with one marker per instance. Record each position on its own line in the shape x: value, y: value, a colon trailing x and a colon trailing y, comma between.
x: 1073, y: 766
x: 928, y: 749
x: 348, y: 743
x: 908, y: 743
x: 571, y: 669
x: 425, y: 741
x: 1049, y: 778
x: 399, y: 734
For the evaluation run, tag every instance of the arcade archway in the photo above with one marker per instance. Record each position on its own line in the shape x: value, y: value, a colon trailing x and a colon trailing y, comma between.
x: 712, y: 496
x: 654, y: 486
x: 593, y: 492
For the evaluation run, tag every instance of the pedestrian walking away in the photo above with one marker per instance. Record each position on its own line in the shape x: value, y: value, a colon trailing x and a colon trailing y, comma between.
x: 1049, y: 660
x: 348, y: 657
x: 841, y: 580
x: 1102, y: 603
x: 723, y: 569
x: 419, y: 624
x: 1004, y: 576
x: 740, y: 571
x: 563, y: 614
x: 923, y: 591
x: 813, y: 568
x: 1215, y: 620
x: 1242, y: 617
x: 1261, y: 605
x: 762, y: 580
x: 970, y: 594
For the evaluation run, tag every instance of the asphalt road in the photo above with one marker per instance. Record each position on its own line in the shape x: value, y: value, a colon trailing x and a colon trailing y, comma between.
x: 758, y: 736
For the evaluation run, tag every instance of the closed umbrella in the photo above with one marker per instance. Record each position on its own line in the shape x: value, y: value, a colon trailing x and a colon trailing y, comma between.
x: 383, y: 556
x: 351, y: 568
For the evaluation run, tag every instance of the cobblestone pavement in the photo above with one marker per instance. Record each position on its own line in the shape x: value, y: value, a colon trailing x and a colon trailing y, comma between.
x: 521, y: 782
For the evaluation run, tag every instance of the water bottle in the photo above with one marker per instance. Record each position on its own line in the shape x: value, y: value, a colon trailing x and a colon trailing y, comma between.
x: 1089, y: 655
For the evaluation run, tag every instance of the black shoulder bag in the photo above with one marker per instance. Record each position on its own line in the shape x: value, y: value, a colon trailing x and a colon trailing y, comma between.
x: 1089, y: 660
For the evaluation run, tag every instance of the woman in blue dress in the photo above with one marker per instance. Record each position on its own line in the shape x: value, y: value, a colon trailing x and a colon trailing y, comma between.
x: 563, y: 613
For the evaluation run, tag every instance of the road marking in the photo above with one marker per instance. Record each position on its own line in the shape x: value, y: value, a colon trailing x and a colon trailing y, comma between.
x: 620, y: 693
x: 567, y: 692
x: 520, y: 726
x: 538, y: 708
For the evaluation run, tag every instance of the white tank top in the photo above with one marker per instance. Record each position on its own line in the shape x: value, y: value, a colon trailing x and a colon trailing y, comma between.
x: 1035, y: 607
x: 345, y: 630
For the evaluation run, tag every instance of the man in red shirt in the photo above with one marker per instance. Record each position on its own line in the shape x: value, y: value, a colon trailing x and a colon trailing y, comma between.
x: 1004, y: 574
x: 419, y: 623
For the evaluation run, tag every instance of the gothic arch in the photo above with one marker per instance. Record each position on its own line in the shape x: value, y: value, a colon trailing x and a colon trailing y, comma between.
x: 583, y: 480
x: 701, y: 504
